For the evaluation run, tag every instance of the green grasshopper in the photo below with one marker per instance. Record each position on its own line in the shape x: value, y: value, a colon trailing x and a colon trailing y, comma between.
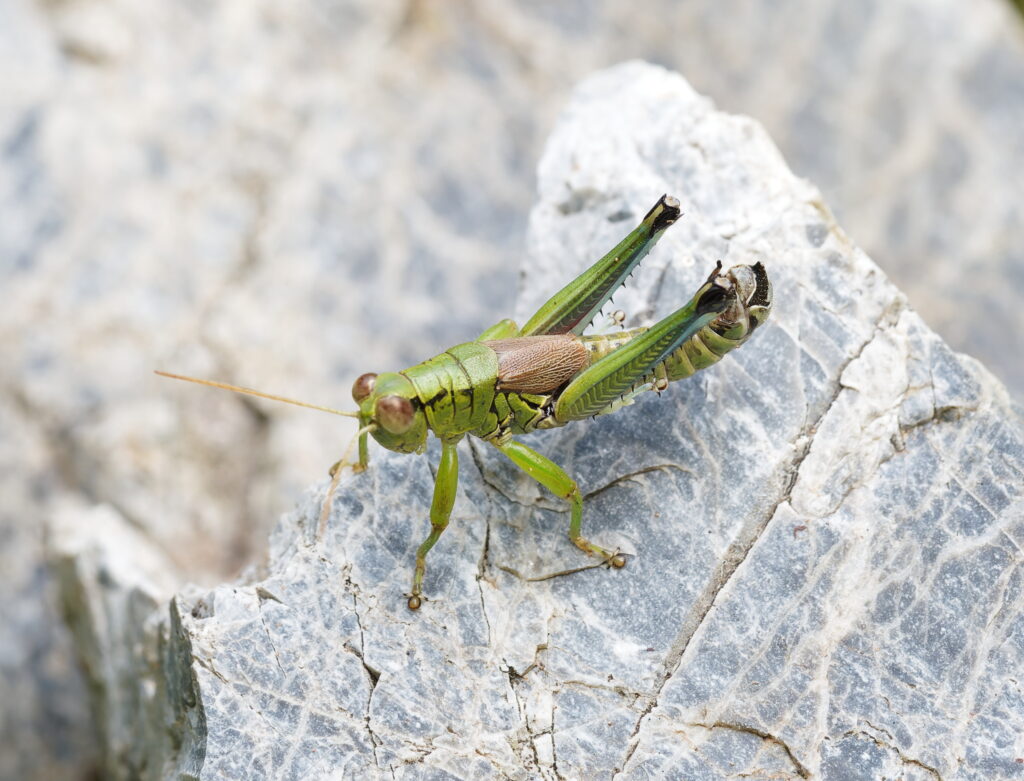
x: 513, y: 380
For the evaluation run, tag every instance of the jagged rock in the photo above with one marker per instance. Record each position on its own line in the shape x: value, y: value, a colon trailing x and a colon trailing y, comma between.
x: 44, y: 712
x: 825, y: 527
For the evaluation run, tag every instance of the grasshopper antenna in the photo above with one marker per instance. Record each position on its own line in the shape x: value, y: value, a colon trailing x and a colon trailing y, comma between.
x: 251, y: 392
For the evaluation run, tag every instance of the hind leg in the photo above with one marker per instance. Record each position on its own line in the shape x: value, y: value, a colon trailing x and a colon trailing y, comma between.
x: 554, y: 478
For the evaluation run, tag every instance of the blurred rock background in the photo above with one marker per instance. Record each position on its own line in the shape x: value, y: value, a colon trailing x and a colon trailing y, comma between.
x: 285, y: 195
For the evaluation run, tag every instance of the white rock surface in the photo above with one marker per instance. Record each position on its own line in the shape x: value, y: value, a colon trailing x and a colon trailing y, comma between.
x: 826, y: 529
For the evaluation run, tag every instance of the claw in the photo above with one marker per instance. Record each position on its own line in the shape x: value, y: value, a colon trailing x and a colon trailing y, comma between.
x: 612, y: 321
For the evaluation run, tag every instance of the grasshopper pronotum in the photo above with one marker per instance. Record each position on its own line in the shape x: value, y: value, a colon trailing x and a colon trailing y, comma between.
x: 514, y: 380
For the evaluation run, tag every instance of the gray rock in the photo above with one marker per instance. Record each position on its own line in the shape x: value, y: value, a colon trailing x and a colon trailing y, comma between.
x: 826, y: 531
x: 45, y: 726
x: 200, y: 186
x: 115, y: 584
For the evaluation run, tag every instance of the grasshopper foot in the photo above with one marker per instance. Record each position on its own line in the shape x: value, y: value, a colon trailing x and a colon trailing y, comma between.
x: 611, y: 558
x: 339, y: 465
x: 416, y: 594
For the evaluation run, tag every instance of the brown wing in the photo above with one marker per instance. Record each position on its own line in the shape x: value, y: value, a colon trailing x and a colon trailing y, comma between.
x: 538, y: 364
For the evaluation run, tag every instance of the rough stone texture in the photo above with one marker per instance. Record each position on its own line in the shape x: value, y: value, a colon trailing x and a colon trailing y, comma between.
x: 44, y: 717
x: 200, y: 186
x: 827, y: 529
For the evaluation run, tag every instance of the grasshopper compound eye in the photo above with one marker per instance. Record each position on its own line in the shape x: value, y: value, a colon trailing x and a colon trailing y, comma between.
x: 363, y: 387
x: 395, y: 414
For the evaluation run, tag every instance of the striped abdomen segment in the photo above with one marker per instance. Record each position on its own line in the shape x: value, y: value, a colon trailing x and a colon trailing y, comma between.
x: 456, y: 388
x: 706, y: 347
x: 701, y: 350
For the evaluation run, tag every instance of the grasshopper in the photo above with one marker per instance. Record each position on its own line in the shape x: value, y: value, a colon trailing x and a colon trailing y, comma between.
x: 513, y: 380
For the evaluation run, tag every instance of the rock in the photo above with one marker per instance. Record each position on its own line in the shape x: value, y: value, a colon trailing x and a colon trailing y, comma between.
x: 115, y: 584
x: 825, y: 532
x: 200, y: 187
x: 45, y: 726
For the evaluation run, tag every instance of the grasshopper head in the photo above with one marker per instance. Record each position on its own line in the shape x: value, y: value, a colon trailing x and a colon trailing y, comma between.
x: 752, y: 302
x: 390, y: 401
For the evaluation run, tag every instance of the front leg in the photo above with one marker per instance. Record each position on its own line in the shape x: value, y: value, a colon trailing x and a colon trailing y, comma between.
x: 445, y: 485
x: 554, y: 478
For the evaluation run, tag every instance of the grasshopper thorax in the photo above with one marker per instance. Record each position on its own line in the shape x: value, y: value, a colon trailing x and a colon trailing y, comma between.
x: 390, y: 401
